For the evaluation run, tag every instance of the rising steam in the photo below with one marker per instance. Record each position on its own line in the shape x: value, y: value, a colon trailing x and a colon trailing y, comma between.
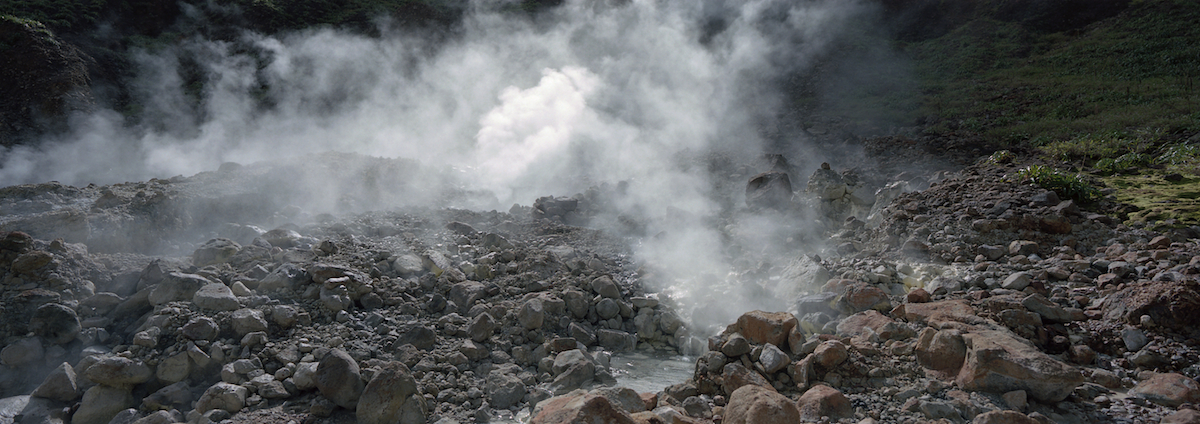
x: 587, y: 93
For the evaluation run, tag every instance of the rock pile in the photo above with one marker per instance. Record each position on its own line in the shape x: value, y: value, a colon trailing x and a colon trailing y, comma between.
x: 977, y: 300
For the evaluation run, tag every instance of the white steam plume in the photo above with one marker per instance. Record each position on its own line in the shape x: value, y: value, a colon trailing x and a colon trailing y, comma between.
x: 587, y: 93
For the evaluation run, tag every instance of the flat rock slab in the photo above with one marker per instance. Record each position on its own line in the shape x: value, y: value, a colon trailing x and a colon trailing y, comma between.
x: 1000, y: 362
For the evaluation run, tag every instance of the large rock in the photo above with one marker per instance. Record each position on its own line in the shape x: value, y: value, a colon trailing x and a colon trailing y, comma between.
x: 60, y: 385
x: 831, y: 353
x: 773, y: 359
x: 859, y: 323
x: 224, y: 396
x: 481, y: 327
x: 761, y: 327
x: 1169, y: 304
x: 176, y: 286
x: 770, y: 190
x: 937, y: 313
x: 1000, y: 362
x: 118, y: 371
x: 217, y: 297
x: 22, y: 352
x: 504, y: 389
x: 824, y: 401
x: 1168, y: 389
x: 736, y: 376
x: 55, y: 323
x: 392, y: 396
x: 941, y: 350
x: 862, y: 296
x: 1182, y: 416
x: 101, y: 403
x: 215, y: 251
x: 338, y: 378
x: 578, y: 408
x: 531, y: 315
x: 754, y: 404
x: 246, y: 321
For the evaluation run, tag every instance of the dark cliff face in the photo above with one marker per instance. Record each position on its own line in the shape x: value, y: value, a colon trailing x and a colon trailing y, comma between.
x: 42, y: 80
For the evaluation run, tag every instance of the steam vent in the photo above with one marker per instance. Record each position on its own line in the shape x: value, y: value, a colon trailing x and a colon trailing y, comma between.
x: 599, y: 212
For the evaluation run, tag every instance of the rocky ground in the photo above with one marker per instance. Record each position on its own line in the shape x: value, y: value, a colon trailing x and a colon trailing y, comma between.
x: 898, y: 297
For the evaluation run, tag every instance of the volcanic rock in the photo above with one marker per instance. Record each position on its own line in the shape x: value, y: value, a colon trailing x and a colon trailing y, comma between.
x: 579, y: 407
x: 55, y: 323
x: 337, y: 378
x: 1001, y: 362
x: 760, y: 327
x: 101, y: 403
x: 1168, y: 389
x: 392, y: 396
x: 216, y: 296
x: 824, y: 401
x: 224, y: 396
x: 1169, y: 304
x: 60, y: 385
x: 751, y: 404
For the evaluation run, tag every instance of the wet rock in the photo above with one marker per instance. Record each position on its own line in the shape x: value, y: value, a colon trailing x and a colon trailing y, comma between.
x: 246, y: 321
x: 224, y: 396
x: 215, y: 251
x: 1000, y: 362
x: 101, y: 403
x: 751, y: 404
x: 579, y: 407
x: 760, y: 327
x: 118, y: 371
x: 770, y: 190
x: 60, y: 385
x: 217, y: 297
x: 392, y: 396
x: 337, y: 377
x: 824, y: 401
x: 1168, y: 389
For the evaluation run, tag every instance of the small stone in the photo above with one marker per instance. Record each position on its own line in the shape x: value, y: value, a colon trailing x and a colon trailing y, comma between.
x: 1017, y: 281
x: 1016, y: 399
x: 735, y: 346
x: 531, y: 315
x: 831, y: 353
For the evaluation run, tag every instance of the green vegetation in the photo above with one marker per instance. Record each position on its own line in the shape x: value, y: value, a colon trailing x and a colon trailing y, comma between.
x: 1014, y: 86
x: 58, y: 14
x: 1071, y: 186
x: 1168, y: 202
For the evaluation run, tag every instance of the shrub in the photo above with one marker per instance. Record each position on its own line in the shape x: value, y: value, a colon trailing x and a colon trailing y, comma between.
x: 1124, y: 163
x: 1072, y: 186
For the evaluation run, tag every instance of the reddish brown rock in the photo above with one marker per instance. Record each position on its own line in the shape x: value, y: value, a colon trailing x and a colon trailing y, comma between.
x: 859, y: 323
x: 1183, y: 416
x: 1000, y: 362
x: 942, y: 350
x: 580, y: 407
x: 831, y: 353
x: 649, y: 400
x: 761, y: 327
x: 1003, y: 417
x: 1169, y: 304
x: 824, y: 401
x: 1168, y: 389
x: 861, y: 297
x: 936, y: 313
x: 918, y: 295
x: 754, y: 404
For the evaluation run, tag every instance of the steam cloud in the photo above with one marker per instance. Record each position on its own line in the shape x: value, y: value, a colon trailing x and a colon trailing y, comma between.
x: 590, y: 92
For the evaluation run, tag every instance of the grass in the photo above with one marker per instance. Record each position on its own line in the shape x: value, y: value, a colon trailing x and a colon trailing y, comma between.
x: 1066, y: 185
x: 1159, y: 200
x: 1015, y: 87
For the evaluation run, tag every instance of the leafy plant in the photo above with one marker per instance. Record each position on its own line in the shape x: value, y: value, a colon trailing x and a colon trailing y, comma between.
x: 1124, y: 163
x: 1072, y: 186
x: 1001, y: 157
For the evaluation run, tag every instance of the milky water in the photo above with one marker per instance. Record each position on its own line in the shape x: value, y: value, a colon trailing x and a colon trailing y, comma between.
x: 651, y: 372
